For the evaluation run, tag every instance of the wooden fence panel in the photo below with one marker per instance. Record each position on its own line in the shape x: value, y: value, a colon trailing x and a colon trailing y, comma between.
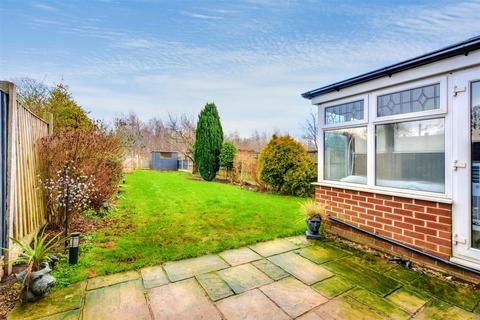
x: 26, y: 204
x: 30, y: 207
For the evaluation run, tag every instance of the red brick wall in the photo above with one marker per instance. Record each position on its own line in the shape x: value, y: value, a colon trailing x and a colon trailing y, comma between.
x: 425, y: 225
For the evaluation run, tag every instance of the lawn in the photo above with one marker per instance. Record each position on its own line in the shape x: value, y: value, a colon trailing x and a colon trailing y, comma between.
x: 164, y: 216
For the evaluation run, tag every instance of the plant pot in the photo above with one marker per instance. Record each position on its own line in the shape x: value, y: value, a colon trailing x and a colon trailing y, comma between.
x: 313, y: 225
x: 40, y: 284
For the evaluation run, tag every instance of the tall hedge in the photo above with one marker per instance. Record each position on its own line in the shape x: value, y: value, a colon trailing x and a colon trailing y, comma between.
x: 285, y: 167
x: 208, y: 142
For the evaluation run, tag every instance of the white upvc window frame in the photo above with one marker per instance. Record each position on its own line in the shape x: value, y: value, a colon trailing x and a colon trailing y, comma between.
x: 346, y: 124
x: 442, y: 81
x: 370, y: 107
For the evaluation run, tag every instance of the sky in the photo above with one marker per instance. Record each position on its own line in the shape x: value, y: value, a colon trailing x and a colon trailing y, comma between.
x: 253, y: 58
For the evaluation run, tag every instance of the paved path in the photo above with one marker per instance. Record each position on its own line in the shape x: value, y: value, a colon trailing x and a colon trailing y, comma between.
x: 280, y: 279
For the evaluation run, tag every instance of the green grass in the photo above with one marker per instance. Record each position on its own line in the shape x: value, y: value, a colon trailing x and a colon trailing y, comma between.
x: 164, y: 216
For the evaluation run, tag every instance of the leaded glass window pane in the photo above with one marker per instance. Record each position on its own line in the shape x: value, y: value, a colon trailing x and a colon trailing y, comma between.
x: 344, y: 112
x: 411, y: 100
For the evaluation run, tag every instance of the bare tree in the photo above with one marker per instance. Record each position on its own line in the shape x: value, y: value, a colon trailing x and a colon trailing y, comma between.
x: 253, y: 143
x: 310, y: 131
x: 183, y: 132
x: 130, y: 130
x: 33, y: 94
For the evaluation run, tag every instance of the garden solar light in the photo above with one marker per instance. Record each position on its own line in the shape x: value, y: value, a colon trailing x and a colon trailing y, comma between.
x: 74, y: 248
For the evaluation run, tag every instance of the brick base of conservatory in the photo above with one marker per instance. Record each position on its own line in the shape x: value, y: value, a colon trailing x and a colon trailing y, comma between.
x: 420, y: 224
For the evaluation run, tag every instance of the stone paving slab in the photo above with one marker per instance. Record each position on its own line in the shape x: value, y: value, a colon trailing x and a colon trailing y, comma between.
x: 300, y: 241
x: 244, y: 277
x: 301, y: 268
x: 322, y: 253
x: 58, y: 301
x: 402, y: 274
x: 372, y: 262
x: 364, y: 277
x: 153, y: 277
x: 334, y: 286
x: 439, y: 310
x: 69, y: 315
x: 117, y: 302
x: 273, y: 247
x: 270, y: 269
x: 342, y: 308
x: 251, y: 305
x: 379, y: 304
x: 460, y: 296
x: 183, y: 269
x: 407, y: 299
x: 356, y: 290
x: 239, y: 256
x: 181, y: 300
x: 293, y: 296
x: 112, y: 279
x: 215, y: 287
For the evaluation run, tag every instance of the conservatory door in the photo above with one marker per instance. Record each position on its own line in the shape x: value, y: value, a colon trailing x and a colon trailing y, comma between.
x: 465, y: 91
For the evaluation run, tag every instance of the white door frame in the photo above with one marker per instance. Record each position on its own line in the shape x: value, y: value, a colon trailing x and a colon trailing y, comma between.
x: 460, y: 98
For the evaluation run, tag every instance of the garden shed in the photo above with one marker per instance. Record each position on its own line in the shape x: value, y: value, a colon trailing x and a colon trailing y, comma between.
x: 399, y: 157
x: 164, y: 160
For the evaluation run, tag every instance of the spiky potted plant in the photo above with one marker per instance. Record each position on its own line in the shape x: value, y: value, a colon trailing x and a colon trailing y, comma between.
x: 313, y: 216
x: 36, y: 280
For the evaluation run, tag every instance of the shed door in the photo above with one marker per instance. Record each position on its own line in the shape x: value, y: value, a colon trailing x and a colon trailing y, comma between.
x: 3, y: 169
x: 465, y: 91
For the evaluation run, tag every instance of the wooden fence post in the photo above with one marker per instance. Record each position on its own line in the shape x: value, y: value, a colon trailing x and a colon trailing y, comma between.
x: 11, y: 171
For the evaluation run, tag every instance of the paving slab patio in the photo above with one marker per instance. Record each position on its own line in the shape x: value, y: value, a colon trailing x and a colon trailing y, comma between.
x: 334, y: 286
x: 119, y: 302
x: 293, y: 296
x: 273, y: 247
x: 243, y: 278
x: 379, y: 304
x: 153, y: 277
x: 251, y: 305
x: 180, y: 300
x: 239, y: 256
x: 270, y: 269
x: 301, y: 268
x: 215, y: 287
x: 408, y: 299
x: 112, y: 279
x: 180, y: 270
x: 280, y: 279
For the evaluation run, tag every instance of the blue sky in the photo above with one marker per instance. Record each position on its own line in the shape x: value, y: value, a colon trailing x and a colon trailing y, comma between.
x: 252, y: 58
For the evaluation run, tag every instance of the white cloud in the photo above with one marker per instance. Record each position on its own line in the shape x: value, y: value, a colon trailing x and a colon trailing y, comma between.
x: 44, y: 6
x: 201, y: 16
x: 256, y: 81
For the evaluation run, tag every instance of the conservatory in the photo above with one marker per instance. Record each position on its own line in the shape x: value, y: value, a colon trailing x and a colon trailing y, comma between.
x: 399, y: 156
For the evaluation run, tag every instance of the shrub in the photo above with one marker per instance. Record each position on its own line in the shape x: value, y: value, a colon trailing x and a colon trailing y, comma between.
x: 92, y: 162
x: 227, y: 156
x: 208, y: 142
x: 285, y: 167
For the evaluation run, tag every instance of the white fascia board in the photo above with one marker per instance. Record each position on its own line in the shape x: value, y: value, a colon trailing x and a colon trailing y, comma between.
x: 433, y: 69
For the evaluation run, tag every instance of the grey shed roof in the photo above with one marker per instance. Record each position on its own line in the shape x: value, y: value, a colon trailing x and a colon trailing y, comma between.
x: 463, y: 47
